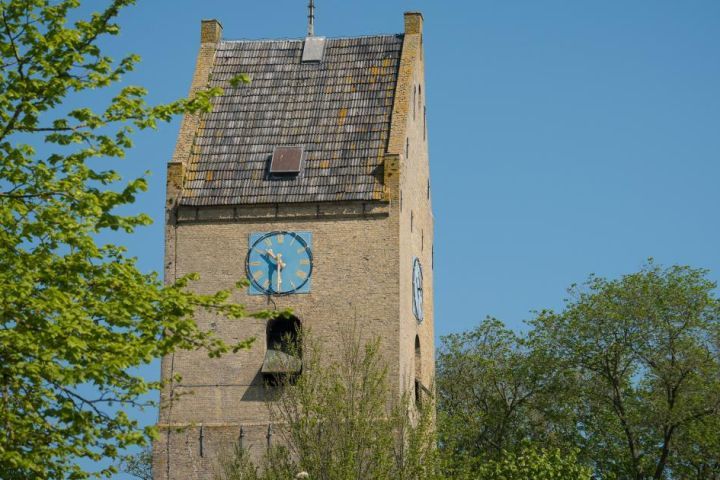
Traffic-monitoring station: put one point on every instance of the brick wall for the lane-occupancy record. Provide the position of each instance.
(408, 140)
(363, 255)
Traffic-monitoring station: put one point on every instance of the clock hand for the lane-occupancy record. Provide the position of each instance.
(270, 252)
(278, 259)
(280, 266)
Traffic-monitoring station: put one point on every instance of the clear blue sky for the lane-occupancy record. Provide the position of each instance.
(566, 137)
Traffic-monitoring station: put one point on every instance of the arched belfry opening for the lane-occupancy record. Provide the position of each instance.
(283, 355)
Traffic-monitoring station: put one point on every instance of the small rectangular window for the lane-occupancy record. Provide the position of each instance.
(286, 160)
(313, 50)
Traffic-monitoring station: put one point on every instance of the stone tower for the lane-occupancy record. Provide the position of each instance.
(313, 182)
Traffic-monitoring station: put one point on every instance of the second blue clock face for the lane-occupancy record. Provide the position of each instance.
(280, 263)
(417, 286)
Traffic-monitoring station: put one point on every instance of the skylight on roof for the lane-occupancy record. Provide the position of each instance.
(286, 160)
(313, 49)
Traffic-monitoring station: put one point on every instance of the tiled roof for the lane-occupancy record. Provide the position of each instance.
(338, 111)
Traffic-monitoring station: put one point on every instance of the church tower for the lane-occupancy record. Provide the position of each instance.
(313, 182)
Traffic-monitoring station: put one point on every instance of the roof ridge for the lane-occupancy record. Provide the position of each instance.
(302, 39)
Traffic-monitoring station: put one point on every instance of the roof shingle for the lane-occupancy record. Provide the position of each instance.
(338, 110)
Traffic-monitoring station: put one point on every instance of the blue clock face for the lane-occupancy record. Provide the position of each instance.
(279, 263)
(417, 284)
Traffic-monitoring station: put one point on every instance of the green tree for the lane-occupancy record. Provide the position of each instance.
(643, 350)
(535, 464)
(138, 465)
(75, 315)
(628, 372)
(697, 455)
(339, 420)
(496, 391)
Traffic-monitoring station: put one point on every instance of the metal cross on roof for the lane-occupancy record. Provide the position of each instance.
(311, 18)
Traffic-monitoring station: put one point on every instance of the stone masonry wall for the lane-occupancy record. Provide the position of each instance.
(363, 254)
(354, 280)
(408, 140)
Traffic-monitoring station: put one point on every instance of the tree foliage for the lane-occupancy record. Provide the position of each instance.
(628, 372)
(494, 392)
(339, 420)
(139, 465)
(532, 463)
(645, 355)
(76, 315)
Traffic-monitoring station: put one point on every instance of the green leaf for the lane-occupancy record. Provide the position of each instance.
(77, 318)
(242, 79)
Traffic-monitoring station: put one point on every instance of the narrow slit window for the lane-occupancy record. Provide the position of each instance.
(418, 372)
(425, 123)
(414, 100)
(418, 358)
